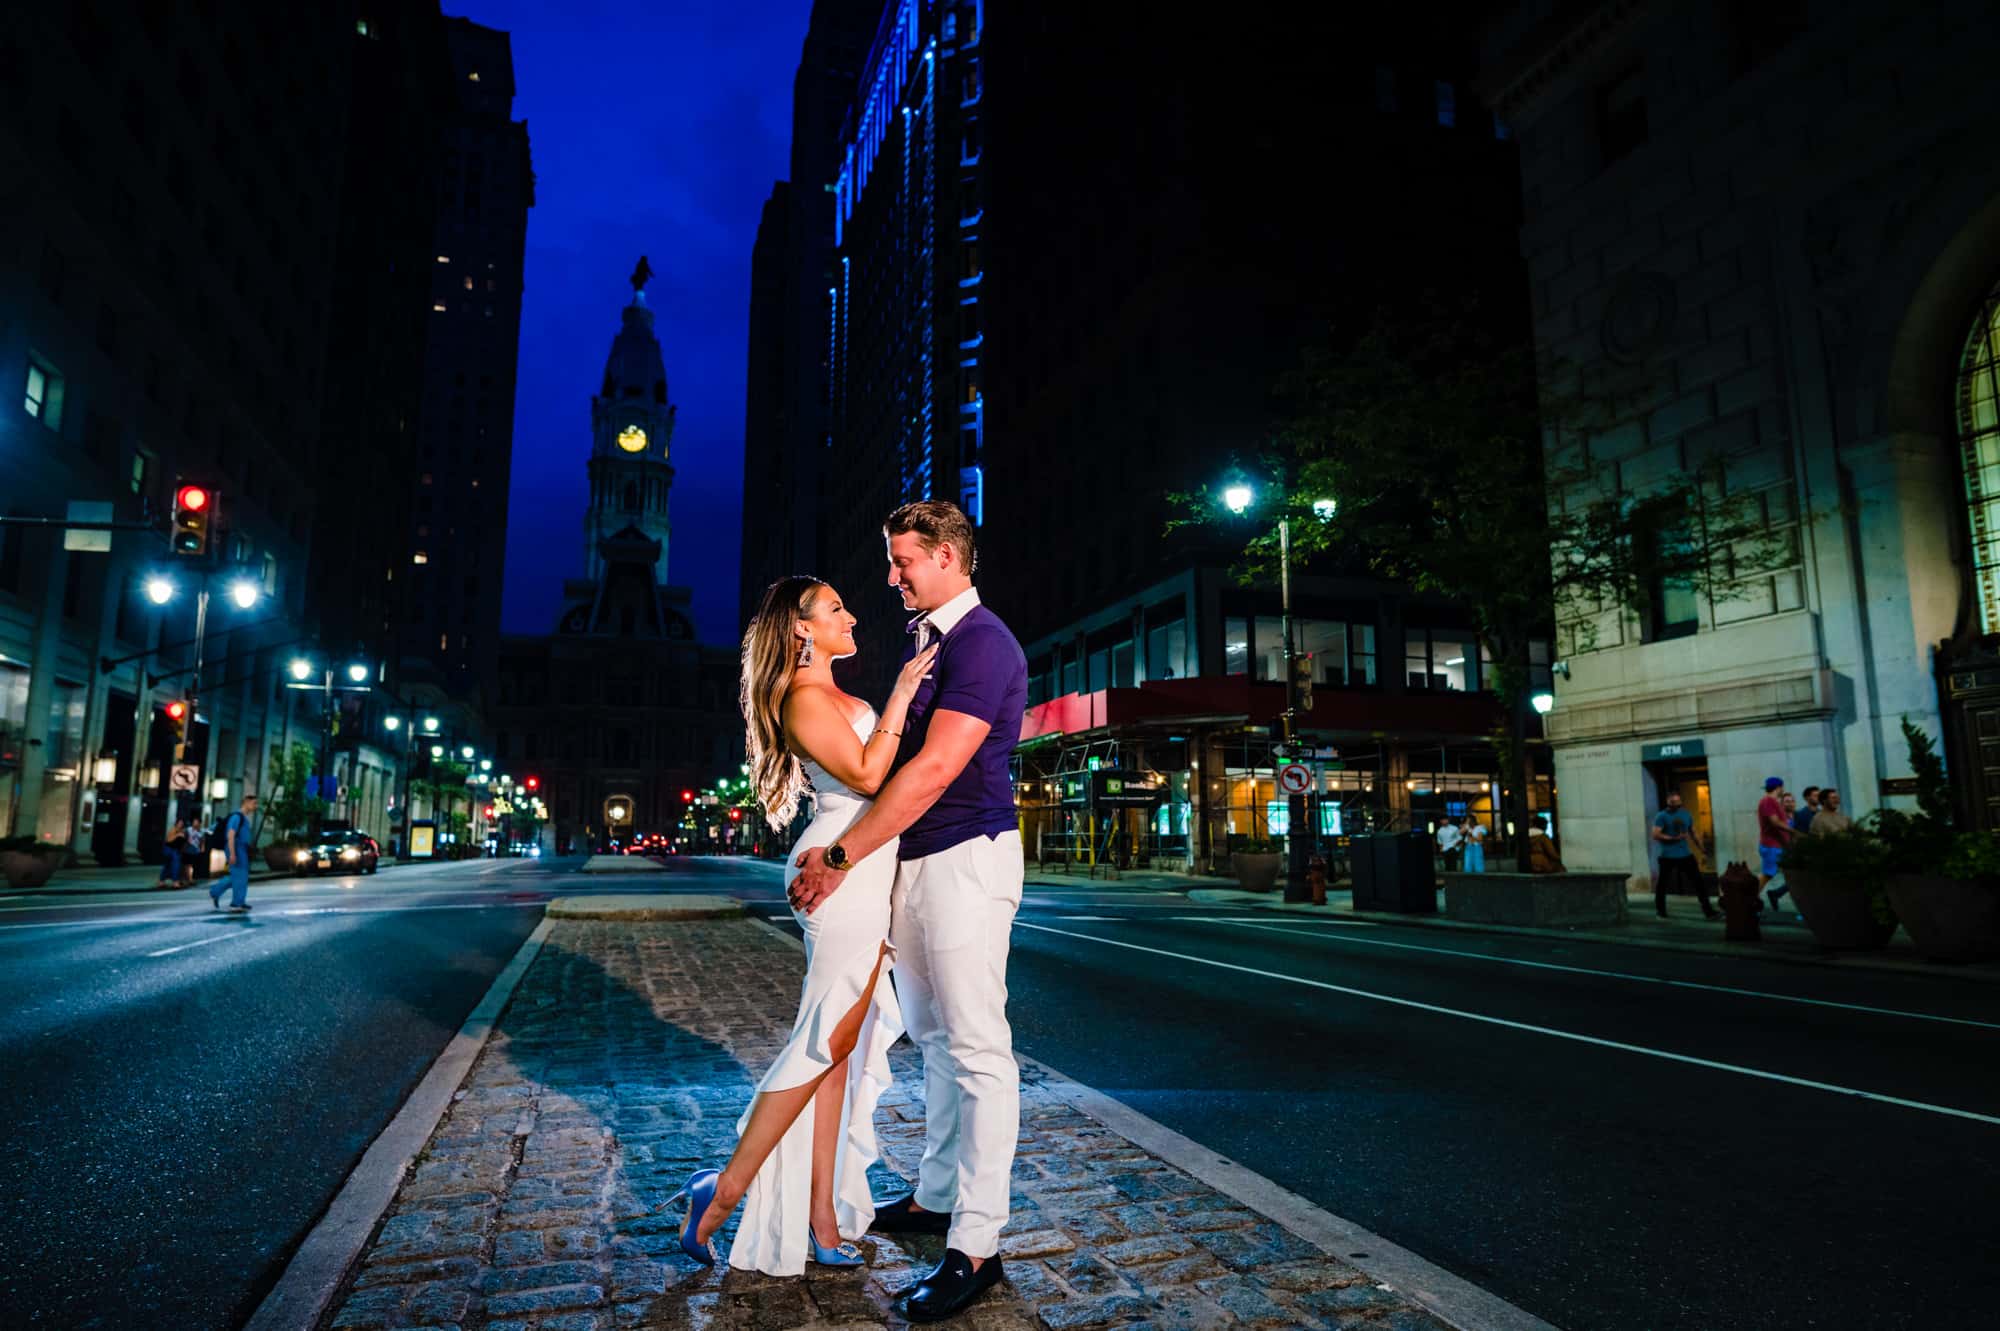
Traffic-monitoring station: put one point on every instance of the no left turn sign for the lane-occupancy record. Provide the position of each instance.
(1295, 778)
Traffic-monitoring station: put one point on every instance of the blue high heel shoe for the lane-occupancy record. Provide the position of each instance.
(699, 1192)
(840, 1254)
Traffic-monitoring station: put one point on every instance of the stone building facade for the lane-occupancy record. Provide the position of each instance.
(620, 705)
(1779, 226)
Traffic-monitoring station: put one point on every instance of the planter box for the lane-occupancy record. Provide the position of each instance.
(1949, 919)
(28, 868)
(1838, 910)
(1256, 873)
(1541, 900)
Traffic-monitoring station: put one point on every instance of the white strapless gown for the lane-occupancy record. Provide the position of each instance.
(843, 939)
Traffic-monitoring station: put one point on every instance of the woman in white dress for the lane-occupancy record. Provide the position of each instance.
(802, 1179)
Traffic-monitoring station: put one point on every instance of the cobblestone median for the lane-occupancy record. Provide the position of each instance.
(622, 1064)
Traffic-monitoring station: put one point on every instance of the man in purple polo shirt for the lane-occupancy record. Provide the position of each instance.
(958, 883)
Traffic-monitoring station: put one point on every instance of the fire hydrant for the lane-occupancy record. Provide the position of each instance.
(1316, 878)
(1738, 888)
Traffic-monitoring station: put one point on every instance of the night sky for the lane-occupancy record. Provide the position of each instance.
(657, 129)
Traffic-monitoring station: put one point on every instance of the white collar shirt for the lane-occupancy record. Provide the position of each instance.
(942, 620)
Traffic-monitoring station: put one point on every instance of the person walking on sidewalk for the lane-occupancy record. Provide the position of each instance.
(1448, 838)
(958, 885)
(1472, 843)
(1831, 818)
(803, 1178)
(1802, 818)
(173, 854)
(239, 841)
(1774, 833)
(1673, 828)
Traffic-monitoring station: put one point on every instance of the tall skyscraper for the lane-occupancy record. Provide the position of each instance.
(785, 415)
(451, 604)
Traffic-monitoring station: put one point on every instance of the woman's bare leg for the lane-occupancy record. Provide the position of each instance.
(827, 1105)
(772, 1115)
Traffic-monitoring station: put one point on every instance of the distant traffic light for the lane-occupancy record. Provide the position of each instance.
(177, 717)
(736, 815)
(194, 509)
(687, 797)
(534, 783)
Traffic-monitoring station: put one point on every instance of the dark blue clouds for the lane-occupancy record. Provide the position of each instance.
(657, 129)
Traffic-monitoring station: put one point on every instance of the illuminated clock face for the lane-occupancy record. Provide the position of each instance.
(632, 439)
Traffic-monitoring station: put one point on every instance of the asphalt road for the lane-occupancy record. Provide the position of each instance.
(184, 1092)
(1609, 1137)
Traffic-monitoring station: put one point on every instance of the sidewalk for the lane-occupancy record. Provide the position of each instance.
(90, 880)
(622, 1063)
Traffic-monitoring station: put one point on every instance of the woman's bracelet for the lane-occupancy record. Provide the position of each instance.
(897, 733)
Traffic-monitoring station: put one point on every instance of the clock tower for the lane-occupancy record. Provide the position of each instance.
(632, 425)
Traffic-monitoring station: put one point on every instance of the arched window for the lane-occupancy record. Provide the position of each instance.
(1979, 454)
(631, 497)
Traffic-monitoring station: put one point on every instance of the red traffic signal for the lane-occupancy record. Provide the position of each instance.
(736, 815)
(534, 783)
(489, 811)
(194, 507)
(687, 797)
(177, 710)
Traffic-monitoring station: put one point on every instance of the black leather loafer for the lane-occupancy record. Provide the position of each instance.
(898, 1217)
(951, 1288)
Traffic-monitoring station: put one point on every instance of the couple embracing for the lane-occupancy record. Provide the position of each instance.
(912, 862)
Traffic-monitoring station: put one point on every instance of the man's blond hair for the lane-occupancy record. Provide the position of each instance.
(936, 522)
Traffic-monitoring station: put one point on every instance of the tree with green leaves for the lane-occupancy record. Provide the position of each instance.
(1429, 434)
(289, 809)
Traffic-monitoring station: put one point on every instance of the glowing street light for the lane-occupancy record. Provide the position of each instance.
(466, 752)
(430, 725)
(1324, 509)
(357, 672)
(159, 590)
(244, 594)
(1237, 498)
(392, 722)
(1543, 702)
(437, 750)
(301, 668)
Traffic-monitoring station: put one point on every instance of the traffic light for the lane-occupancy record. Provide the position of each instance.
(194, 509)
(177, 717)
(736, 815)
(1302, 683)
(687, 797)
(533, 783)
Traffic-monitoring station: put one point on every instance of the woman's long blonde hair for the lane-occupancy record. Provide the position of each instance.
(770, 660)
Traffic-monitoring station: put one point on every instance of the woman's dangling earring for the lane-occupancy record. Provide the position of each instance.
(806, 654)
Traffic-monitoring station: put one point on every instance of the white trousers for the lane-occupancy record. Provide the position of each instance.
(951, 917)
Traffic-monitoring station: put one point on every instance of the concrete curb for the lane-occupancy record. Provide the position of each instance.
(645, 909)
(1977, 972)
(305, 1292)
(1458, 1303)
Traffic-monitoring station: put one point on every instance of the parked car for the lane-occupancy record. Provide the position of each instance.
(339, 852)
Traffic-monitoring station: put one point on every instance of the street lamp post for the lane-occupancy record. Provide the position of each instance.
(1238, 498)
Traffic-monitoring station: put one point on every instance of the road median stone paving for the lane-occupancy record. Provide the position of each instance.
(622, 1064)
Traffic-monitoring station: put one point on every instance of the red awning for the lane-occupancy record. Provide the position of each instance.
(1240, 700)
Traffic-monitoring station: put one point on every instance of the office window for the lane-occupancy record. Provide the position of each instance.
(1269, 645)
(44, 397)
(1166, 650)
(1100, 668)
(1123, 671)
(1236, 646)
(142, 470)
(1360, 653)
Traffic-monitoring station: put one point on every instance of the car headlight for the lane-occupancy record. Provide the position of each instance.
(304, 855)
(350, 854)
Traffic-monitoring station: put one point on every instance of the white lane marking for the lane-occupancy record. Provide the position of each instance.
(1259, 919)
(1111, 918)
(295, 913)
(1267, 927)
(1532, 1029)
(200, 942)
